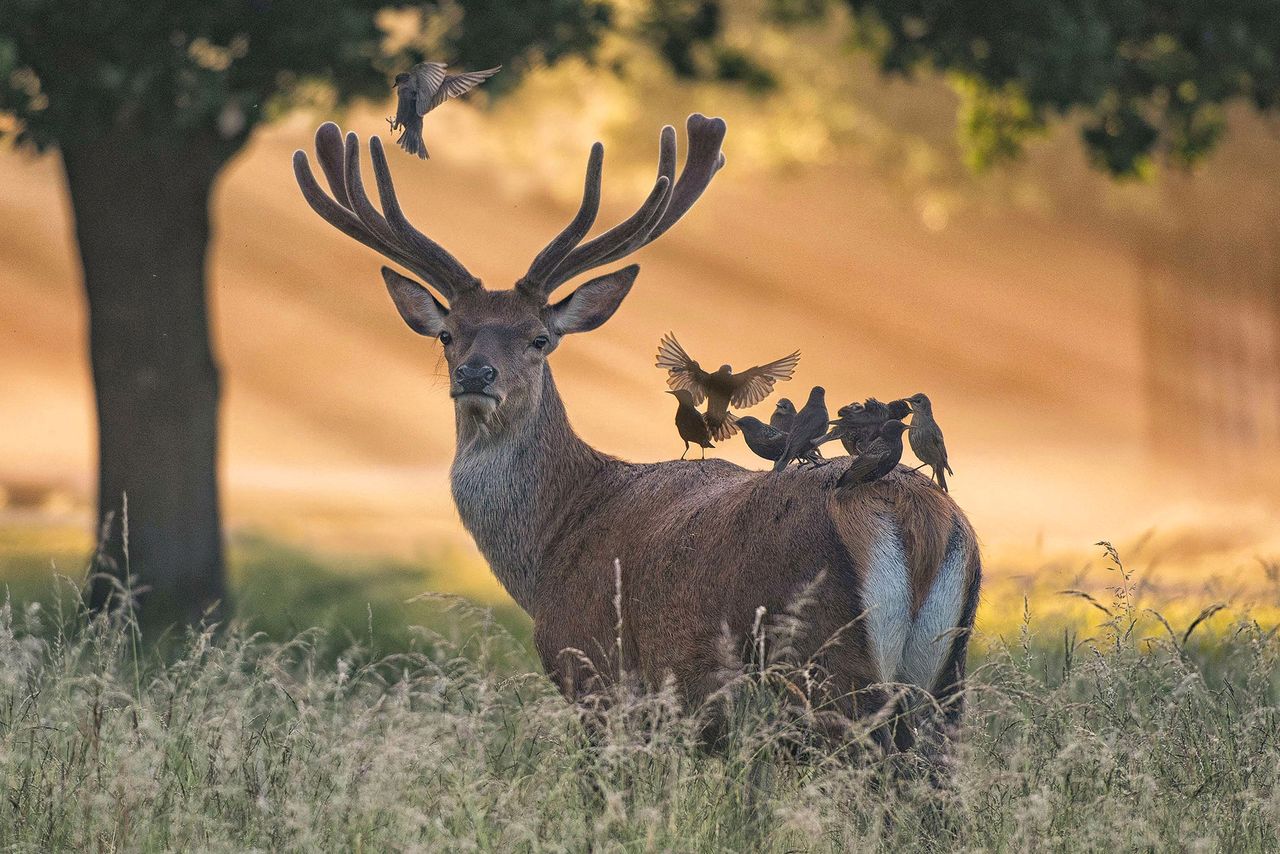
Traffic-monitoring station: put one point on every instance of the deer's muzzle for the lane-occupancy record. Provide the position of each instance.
(474, 379)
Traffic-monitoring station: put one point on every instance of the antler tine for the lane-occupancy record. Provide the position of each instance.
(330, 154)
(667, 152)
(338, 216)
(350, 211)
(701, 163)
(358, 198)
(628, 235)
(450, 276)
(613, 243)
(537, 279)
(667, 202)
(375, 222)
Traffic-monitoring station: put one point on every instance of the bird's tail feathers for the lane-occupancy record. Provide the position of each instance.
(942, 480)
(723, 429)
(411, 141)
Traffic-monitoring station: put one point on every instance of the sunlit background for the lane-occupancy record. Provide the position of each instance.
(1104, 356)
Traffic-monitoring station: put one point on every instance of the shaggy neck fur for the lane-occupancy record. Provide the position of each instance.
(513, 484)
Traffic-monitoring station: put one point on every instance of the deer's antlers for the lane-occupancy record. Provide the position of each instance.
(350, 211)
(347, 208)
(566, 256)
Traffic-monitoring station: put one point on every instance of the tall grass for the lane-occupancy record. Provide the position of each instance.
(1142, 737)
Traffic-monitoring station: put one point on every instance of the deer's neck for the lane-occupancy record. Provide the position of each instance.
(513, 488)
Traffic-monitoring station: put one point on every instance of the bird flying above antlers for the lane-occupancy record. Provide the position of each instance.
(722, 388)
(423, 88)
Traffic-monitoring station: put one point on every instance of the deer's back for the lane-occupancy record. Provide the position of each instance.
(703, 545)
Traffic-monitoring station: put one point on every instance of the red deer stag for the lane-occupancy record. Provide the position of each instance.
(892, 565)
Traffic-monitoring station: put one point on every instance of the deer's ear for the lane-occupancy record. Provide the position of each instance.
(422, 311)
(593, 303)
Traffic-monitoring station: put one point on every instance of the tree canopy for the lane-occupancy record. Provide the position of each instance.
(1148, 77)
(70, 71)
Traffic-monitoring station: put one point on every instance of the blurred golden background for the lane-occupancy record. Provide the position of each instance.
(1104, 356)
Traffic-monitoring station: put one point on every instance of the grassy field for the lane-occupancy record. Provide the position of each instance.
(365, 734)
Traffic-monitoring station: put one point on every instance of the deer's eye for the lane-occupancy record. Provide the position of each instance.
(445, 338)
(540, 343)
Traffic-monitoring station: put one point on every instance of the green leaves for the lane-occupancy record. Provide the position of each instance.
(1150, 78)
(993, 122)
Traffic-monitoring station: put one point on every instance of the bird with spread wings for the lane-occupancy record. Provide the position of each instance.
(722, 388)
(423, 88)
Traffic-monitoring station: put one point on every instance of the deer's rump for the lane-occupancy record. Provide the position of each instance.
(890, 567)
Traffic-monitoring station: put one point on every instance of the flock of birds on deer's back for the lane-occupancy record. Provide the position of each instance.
(871, 431)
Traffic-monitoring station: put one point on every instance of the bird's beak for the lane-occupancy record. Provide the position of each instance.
(834, 423)
(668, 392)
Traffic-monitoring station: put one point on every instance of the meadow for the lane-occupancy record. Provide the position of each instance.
(344, 712)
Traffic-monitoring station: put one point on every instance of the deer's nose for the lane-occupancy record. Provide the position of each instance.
(473, 377)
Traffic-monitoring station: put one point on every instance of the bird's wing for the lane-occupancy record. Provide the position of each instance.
(873, 407)
(460, 84)
(942, 452)
(831, 435)
(926, 441)
(682, 371)
(755, 384)
(770, 433)
(942, 448)
(799, 442)
(426, 77)
(864, 418)
(862, 466)
(690, 421)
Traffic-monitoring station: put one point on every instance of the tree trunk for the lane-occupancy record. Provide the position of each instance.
(142, 225)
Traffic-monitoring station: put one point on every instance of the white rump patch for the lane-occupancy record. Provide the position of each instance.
(931, 636)
(886, 596)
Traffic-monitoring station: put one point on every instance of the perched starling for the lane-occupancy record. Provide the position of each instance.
(879, 456)
(690, 423)
(810, 425)
(847, 428)
(784, 415)
(764, 440)
(926, 439)
(860, 423)
(768, 441)
(423, 88)
(721, 388)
